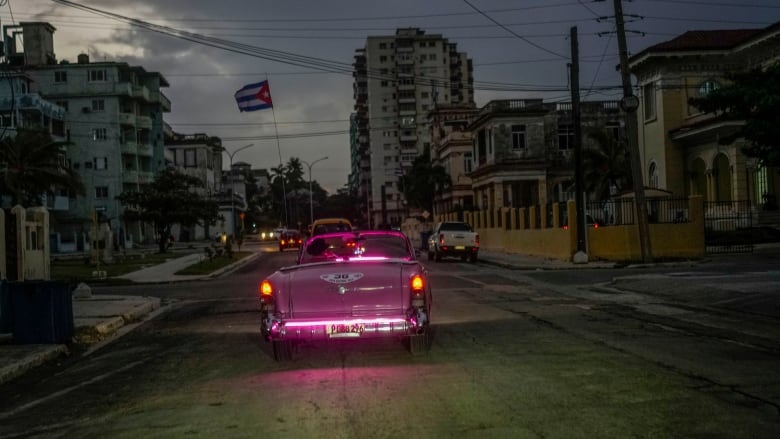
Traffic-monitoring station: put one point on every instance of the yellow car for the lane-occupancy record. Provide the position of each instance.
(330, 225)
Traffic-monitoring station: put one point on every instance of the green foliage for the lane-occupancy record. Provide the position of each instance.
(753, 97)
(167, 201)
(32, 165)
(606, 163)
(424, 182)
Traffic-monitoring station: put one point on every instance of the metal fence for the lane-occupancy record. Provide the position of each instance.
(728, 227)
(620, 211)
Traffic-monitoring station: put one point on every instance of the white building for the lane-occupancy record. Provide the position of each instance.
(398, 79)
(114, 114)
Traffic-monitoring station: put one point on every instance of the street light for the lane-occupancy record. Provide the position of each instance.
(233, 187)
(311, 203)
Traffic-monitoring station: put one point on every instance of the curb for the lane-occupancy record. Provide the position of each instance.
(28, 361)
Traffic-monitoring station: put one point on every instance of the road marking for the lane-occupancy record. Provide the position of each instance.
(63, 392)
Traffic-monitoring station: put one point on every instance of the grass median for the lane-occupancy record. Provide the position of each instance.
(209, 265)
(83, 269)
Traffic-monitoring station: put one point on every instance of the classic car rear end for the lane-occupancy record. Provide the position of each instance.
(348, 285)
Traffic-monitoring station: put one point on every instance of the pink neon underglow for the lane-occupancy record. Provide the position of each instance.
(343, 322)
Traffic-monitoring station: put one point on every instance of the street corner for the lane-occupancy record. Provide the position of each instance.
(99, 317)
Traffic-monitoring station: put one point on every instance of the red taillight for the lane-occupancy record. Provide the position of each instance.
(266, 290)
(566, 227)
(441, 238)
(418, 285)
(282, 242)
(300, 242)
(595, 225)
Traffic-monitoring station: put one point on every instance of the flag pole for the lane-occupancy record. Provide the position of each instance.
(281, 165)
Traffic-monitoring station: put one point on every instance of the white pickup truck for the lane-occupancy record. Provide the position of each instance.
(453, 238)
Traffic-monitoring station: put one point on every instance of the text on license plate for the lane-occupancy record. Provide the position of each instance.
(345, 329)
(460, 247)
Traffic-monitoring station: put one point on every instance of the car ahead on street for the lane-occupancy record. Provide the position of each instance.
(290, 239)
(352, 285)
(453, 239)
(330, 225)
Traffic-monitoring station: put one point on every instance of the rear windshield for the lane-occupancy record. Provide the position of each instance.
(352, 246)
(320, 229)
(456, 227)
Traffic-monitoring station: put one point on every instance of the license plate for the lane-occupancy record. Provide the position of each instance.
(345, 330)
(460, 247)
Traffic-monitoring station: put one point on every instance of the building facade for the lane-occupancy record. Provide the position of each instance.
(522, 150)
(114, 114)
(451, 148)
(682, 148)
(397, 80)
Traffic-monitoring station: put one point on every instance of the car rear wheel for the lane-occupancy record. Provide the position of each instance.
(283, 350)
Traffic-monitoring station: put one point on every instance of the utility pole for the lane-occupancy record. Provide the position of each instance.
(581, 256)
(630, 104)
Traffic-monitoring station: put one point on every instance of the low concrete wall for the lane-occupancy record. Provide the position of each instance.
(507, 230)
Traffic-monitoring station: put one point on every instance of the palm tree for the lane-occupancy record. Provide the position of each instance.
(32, 165)
(606, 164)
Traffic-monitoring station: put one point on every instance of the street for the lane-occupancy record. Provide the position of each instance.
(515, 354)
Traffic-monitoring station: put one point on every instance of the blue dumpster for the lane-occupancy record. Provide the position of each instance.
(42, 311)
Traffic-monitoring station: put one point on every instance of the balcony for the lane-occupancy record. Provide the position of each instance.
(141, 92)
(408, 137)
(159, 98)
(143, 122)
(129, 148)
(127, 119)
(145, 177)
(145, 149)
(407, 112)
(129, 176)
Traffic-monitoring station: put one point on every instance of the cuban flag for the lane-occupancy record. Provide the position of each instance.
(254, 97)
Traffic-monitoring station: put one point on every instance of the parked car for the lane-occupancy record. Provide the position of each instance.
(290, 239)
(330, 225)
(348, 285)
(453, 239)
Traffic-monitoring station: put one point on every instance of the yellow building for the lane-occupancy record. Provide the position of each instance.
(681, 148)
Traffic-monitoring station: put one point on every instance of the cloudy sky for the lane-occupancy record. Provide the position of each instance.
(520, 49)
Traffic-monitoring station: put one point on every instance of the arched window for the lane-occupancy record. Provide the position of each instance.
(653, 175)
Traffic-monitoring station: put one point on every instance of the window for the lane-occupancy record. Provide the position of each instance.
(99, 75)
(101, 162)
(101, 192)
(518, 137)
(707, 86)
(565, 137)
(63, 104)
(653, 175)
(60, 76)
(98, 105)
(383, 45)
(99, 134)
(468, 162)
(648, 95)
(433, 57)
(383, 58)
(383, 83)
(190, 158)
(431, 43)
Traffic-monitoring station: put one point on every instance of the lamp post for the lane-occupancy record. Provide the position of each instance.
(311, 202)
(233, 187)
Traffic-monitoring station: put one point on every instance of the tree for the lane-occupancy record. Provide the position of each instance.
(424, 182)
(605, 164)
(753, 97)
(32, 165)
(167, 201)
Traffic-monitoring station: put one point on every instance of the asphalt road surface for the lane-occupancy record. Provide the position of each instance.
(515, 354)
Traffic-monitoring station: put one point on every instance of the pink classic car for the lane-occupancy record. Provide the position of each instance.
(348, 285)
